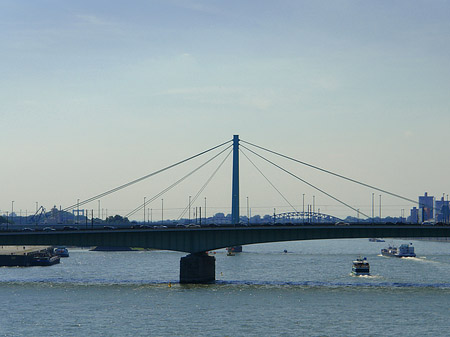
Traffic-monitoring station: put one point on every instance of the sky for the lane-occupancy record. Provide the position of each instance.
(95, 94)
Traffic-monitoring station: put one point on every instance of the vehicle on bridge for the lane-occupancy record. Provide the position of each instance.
(70, 228)
(341, 223)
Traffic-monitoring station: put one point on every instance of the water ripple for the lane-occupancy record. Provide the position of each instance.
(311, 284)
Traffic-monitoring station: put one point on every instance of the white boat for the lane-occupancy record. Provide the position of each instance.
(405, 250)
(361, 266)
(376, 240)
(61, 252)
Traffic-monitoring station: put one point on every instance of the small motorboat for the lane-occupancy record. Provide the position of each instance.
(361, 267)
(61, 252)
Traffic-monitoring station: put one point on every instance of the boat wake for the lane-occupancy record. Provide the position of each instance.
(422, 259)
(55, 283)
(366, 276)
(418, 259)
(318, 284)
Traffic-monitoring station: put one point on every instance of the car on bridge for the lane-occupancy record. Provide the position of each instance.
(70, 228)
(141, 227)
(341, 223)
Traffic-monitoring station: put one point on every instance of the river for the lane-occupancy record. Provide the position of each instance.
(263, 291)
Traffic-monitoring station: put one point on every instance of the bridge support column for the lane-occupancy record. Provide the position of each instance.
(198, 268)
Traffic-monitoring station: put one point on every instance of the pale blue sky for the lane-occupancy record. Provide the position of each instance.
(97, 93)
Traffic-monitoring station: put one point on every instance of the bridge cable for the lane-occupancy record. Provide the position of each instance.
(206, 184)
(307, 183)
(333, 173)
(176, 183)
(140, 179)
(276, 189)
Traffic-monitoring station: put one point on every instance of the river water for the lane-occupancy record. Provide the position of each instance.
(263, 291)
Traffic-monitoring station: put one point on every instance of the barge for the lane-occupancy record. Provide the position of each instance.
(27, 256)
(405, 250)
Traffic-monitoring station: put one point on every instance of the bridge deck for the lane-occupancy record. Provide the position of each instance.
(194, 240)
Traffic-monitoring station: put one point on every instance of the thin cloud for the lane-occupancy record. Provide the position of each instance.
(91, 19)
(198, 7)
(223, 95)
(408, 134)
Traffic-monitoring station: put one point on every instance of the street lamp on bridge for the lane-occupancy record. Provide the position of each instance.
(144, 210)
(248, 215)
(380, 207)
(373, 194)
(303, 215)
(189, 209)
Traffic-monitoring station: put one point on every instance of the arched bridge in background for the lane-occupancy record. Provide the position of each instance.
(305, 217)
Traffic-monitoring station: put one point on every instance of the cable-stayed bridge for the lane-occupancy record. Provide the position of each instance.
(198, 266)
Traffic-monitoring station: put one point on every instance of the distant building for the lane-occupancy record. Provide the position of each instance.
(54, 216)
(414, 216)
(442, 210)
(426, 208)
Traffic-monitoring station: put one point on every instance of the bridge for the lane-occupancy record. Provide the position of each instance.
(198, 267)
(199, 240)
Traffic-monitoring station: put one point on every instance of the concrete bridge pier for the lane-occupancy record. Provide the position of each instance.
(198, 268)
